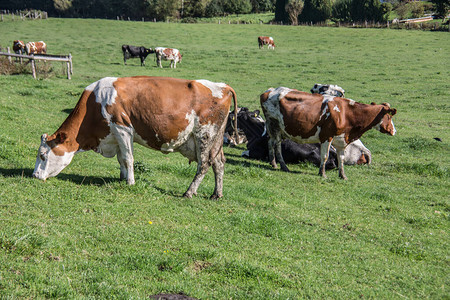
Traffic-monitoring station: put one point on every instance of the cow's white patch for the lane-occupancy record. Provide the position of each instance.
(48, 164)
(336, 108)
(272, 104)
(108, 146)
(326, 99)
(394, 131)
(183, 136)
(105, 94)
(352, 102)
(312, 139)
(216, 88)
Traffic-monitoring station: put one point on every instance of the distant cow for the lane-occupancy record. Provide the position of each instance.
(266, 40)
(166, 114)
(133, 51)
(18, 47)
(36, 48)
(312, 118)
(171, 54)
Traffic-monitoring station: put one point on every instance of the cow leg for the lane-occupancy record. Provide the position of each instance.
(124, 137)
(218, 168)
(272, 160)
(158, 62)
(279, 156)
(142, 61)
(341, 157)
(324, 152)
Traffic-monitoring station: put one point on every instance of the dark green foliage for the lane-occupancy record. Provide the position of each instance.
(281, 14)
(366, 10)
(342, 11)
(442, 7)
(316, 11)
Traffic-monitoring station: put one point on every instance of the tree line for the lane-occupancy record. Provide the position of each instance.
(286, 11)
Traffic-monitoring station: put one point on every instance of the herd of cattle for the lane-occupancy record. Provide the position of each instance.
(20, 47)
(193, 117)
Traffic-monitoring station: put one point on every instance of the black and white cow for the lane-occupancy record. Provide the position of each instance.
(133, 51)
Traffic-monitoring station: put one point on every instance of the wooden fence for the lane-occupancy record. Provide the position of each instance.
(23, 15)
(32, 58)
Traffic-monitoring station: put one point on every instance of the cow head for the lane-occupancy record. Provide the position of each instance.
(53, 156)
(149, 51)
(386, 124)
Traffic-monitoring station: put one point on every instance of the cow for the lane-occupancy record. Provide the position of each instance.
(266, 40)
(313, 118)
(133, 51)
(36, 48)
(355, 152)
(254, 129)
(162, 113)
(171, 54)
(18, 47)
(329, 89)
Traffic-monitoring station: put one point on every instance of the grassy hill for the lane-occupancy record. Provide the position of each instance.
(381, 234)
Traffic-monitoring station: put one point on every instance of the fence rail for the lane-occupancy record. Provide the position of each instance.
(32, 58)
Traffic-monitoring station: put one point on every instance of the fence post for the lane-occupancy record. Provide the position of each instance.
(33, 67)
(71, 65)
(2, 17)
(9, 57)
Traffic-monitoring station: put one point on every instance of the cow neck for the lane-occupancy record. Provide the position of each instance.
(366, 118)
(71, 126)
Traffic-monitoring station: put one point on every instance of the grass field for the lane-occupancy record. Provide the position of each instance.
(384, 233)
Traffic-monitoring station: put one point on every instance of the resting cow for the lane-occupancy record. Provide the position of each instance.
(266, 40)
(171, 54)
(133, 51)
(36, 48)
(166, 114)
(18, 47)
(312, 118)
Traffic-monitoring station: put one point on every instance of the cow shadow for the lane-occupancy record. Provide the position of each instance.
(253, 163)
(67, 110)
(77, 179)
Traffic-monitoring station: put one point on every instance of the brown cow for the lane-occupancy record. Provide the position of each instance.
(266, 40)
(18, 47)
(166, 114)
(312, 118)
(36, 48)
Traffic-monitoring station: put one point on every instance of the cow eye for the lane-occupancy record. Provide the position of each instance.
(42, 157)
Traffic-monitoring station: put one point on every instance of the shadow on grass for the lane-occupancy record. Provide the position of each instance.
(67, 110)
(78, 179)
(253, 163)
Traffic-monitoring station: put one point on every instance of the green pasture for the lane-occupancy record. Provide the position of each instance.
(383, 234)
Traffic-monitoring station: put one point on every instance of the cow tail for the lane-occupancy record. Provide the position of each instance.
(235, 114)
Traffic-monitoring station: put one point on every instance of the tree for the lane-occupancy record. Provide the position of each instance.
(442, 7)
(294, 9)
(281, 14)
(262, 5)
(237, 6)
(316, 11)
(162, 9)
(342, 10)
(366, 10)
(62, 5)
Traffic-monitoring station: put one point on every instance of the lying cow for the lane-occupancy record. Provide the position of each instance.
(18, 47)
(133, 51)
(266, 40)
(166, 114)
(36, 48)
(171, 54)
(312, 118)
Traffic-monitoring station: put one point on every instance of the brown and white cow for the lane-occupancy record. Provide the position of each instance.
(266, 40)
(312, 118)
(166, 114)
(171, 54)
(18, 47)
(36, 48)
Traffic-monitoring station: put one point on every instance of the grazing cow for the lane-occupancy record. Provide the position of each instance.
(133, 51)
(171, 54)
(166, 114)
(312, 118)
(18, 47)
(36, 48)
(266, 40)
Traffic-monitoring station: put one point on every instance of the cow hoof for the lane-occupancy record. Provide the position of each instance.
(215, 197)
(285, 169)
(187, 195)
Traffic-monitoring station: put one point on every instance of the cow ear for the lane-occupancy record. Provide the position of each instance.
(257, 112)
(44, 138)
(373, 103)
(393, 111)
(60, 137)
